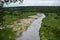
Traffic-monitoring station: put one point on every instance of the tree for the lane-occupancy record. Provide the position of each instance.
(9, 1)
(7, 34)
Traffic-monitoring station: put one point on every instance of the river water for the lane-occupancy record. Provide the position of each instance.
(32, 33)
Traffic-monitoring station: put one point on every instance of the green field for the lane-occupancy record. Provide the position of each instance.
(50, 29)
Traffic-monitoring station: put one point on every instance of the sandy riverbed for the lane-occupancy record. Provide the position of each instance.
(32, 33)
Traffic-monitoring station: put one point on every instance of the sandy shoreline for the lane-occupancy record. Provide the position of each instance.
(32, 33)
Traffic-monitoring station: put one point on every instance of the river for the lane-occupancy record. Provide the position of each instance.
(32, 33)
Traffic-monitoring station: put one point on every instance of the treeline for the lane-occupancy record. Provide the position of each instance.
(44, 9)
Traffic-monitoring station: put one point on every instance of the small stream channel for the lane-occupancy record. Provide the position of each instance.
(32, 33)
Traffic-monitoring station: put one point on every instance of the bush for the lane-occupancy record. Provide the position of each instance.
(7, 34)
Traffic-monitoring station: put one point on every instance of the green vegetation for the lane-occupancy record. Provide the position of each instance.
(8, 17)
(12, 14)
(50, 29)
(44, 9)
(7, 34)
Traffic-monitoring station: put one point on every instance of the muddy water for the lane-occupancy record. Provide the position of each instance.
(32, 33)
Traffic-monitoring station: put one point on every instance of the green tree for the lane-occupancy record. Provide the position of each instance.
(7, 34)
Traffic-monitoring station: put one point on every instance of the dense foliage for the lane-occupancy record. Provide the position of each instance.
(44, 9)
(50, 26)
(50, 29)
(7, 34)
(8, 17)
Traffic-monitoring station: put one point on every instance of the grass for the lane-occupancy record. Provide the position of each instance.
(50, 29)
(9, 18)
(7, 34)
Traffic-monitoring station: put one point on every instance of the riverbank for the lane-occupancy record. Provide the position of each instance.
(12, 20)
(50, 29)
(22, 25)
(32, 33)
